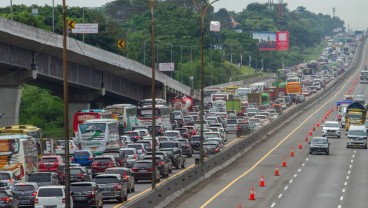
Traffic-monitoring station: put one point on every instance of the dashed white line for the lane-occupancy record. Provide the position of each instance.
(306, 159)
(354, 151)
(341, 198)
(352, 161)
(286, 187)
(299, 170)
(291, 181)
(339, 206)
(303, 164)
(273, 204)
(350, 166)
(295, 175)
(349, 172)
(353, 156)
(347, 177)
(280, 195)
(343, 190)
(346, 183)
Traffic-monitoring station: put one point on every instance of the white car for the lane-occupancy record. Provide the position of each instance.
(60, 147)
(144, 133)
(51, 196)
(331, 128)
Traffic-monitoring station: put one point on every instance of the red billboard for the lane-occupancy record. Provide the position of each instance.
(282, 40)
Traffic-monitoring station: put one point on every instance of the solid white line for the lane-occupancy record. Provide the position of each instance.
(341, 198)
(273, 204)
(291, 181)
(346, 183)
(343, 190)
(280, 195)
(286, 187)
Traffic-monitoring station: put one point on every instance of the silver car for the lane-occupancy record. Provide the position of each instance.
(131, 156)
(112, 187)
(231, 125)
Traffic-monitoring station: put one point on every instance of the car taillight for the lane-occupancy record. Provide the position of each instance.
(118, 187)
(81, 175)
(63, 175)
(135, 156)
(34, 194)
(36, 201)
(72, 159)
(63, 201)
(237, 128)
(135, 170)
(94, 164)
(161, 163)
(6, 200)
(92, 194)
(90, 158)
(217, 149)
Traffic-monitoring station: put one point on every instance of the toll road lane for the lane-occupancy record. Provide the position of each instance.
(232, 186)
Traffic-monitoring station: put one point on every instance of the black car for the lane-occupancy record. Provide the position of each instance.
(112, 187)
(175, 155)
(86, 194)
(8, 199)
(211, 148)
(25, 193)
(166, 157)
(79, 174)
(319, 145)
(186, 147)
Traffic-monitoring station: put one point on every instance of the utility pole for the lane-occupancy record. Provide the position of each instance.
(66, 110)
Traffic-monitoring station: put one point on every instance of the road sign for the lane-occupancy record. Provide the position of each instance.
(89, 28)
(166, 67)
(71, 24)
(121, 43)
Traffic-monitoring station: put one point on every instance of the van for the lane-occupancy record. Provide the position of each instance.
(357, 136)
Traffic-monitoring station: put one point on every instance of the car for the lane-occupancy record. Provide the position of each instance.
(131, 156)
(213, 134)
(357, 136)
(231, 125)
(112, 187)
(144, 133)
(115, 144)
(60, 147)
(102, 162)
(26, 193)
(119, 156)
(282, 102)
(299, 98)
(86, 194)
(319, 144)
(173, 134)
(83, 157)
(147, 144)
(184, 132)
(161, 164)
(263, 119)
(192, 130)
(174, 151)
(186, 148)
(79, 174)
(125, 174)
(51, 196)
(8, 199)
(142, 170)
(50, 163)
(195, 142)
(218, 140)
(331, 128)
(139, 147)
(61, 171)
(134, 136)
(211, 148)
(162, 139)
(8, 177)
(126, 139)
(166, 157)
(306, 92)
(44, 178)
(159, 130)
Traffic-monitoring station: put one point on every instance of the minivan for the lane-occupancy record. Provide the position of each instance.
(357, 136)
(51, 196)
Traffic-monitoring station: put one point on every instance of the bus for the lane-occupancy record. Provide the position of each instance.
(84, 115)
(231, 89)
(95, 134)
(162, 116)
(147, 102)
(126, 114)
(219, 99)
(19, 153)
(29, 130)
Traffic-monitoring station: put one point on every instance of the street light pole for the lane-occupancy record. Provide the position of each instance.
(66, 110)
(11, 9)
(202, 13)
(53, 15)
(153, 94)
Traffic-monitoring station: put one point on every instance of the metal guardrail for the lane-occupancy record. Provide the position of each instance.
(172, 188)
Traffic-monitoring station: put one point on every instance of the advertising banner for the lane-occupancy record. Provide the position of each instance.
(282, 40)
(271, 41)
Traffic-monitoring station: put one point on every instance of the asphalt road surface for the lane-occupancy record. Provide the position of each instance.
(336, 180)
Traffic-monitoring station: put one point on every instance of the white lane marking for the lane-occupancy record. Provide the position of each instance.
(306, 159)
(303, 164)
(280, 195)
(341, 198)
(349, 172)
(291, 181)
(352, 161)
(346, 183)
(286, 187)
(353, 156)
(299, 170)
(343, 190)
(354, 151)
(350, 166)
(273, 204)
(347, 177)
(295, 175)
(339, 206)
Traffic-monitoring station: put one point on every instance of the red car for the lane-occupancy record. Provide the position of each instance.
(102, 162)
(192, 130)
(306, 92)
(50, 163)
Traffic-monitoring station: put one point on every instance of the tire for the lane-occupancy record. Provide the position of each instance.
(129, 188)
(327, 152)
(183, 165)
(126, 197)
(170, 170)
(365, 147)
(310, 153)
(120, 199)
(339, 137)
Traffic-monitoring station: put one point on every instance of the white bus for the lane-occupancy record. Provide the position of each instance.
(126, 114)
(162, 116)
(19, 153)
(148, 102)
(219, 99)
(95, 134)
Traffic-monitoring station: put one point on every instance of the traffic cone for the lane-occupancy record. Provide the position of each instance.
(251, 195)
(332, 109)
(239, 206)
(277, 171)
(323, 121)
(310, 133)
(300, 146)
(262, 182)
(306, 139)
(292, 154)
(317, 124)
(314, 128)
(284, 163)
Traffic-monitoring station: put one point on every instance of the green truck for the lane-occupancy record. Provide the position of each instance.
(258, 98)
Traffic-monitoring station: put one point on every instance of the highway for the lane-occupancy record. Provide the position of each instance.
(336, 180)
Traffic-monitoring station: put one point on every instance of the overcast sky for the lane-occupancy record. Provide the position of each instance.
(353, 12)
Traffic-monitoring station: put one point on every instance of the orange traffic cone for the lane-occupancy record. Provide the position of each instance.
(306, 139)
(317, 124)
(300, 146)
(292, 152)
(277, 171)
(310, 133)
(251, 195)
(262, 182)
(284, 163)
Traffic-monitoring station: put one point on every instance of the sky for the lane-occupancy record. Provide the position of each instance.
(353, 12)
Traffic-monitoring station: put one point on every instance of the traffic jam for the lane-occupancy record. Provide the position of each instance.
(111, 151)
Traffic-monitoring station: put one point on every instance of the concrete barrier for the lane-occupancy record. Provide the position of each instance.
(174, 187)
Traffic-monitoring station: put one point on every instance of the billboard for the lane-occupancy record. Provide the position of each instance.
(164, 67)
(271, 41)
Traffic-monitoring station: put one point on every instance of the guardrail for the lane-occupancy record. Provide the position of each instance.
(173, 188)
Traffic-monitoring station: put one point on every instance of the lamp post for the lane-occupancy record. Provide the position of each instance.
(153, 94)
(11, 9)
(53, 16)
(202, 12)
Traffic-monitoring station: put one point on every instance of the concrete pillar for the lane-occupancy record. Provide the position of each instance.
(74, 107)
(9, 105)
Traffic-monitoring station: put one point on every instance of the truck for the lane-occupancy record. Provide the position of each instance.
(364, 77)
(184, 103)
(355, 114)
(233, 105)
(341, 108)
(293, 89)
(258, 98)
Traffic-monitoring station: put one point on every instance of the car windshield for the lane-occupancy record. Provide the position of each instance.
(142, 165)
(255, 120)
(194, 139)
(81, 154)
(231, 121)
(102, 160)
(127, 151)
(135, 146)
(39, 178)
(24, 188)
(319, 141)
(211, 135)
(209, 146)
(77, 188)
(357, 133)
(4, 176)
(168, 144)
(336, 125)
(106, 180)
(50, 192)
(133, 134)
(171, 134)
(75, 171)
(115, 171)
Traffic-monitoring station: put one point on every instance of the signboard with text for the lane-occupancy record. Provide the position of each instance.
(89, 28)
(164, 67)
